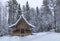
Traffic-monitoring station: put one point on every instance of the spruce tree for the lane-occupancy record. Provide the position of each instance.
(27, 11)
(57, 15)
(37, 9)
(47, 14)
(27, 6)
(37, 19)
(24, 8)
(19, 11)
(12, 5)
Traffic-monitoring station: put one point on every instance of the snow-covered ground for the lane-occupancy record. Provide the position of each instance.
(45, 36)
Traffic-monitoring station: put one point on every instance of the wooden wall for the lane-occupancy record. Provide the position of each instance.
(22, 28)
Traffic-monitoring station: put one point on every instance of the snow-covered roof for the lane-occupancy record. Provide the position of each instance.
(22, 16)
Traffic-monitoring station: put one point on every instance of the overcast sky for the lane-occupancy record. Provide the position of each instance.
(32, 3)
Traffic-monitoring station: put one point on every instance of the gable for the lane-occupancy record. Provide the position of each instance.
(22, 24)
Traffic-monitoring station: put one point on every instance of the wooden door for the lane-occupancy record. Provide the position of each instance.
(22, 31)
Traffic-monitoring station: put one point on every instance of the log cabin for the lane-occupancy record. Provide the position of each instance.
(21, 27)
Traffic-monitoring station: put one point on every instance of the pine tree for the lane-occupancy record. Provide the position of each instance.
(46, 14)
(46, 7)
(27, 11)
(24, 8)
(0, 14)
(37, 19)
(3, 20)
(57, 15)
(37, 10)
(12, 5)
(27, 6)
(19, 11)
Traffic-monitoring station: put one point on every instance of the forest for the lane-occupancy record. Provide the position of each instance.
(46, 18)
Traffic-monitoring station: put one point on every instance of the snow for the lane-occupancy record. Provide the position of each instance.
(43, 36)
(49, 37)
(9, 38)
(27, 21)
(15, 23)
(22, 16)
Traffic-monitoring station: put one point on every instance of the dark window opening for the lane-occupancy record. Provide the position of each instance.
(17, 30)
